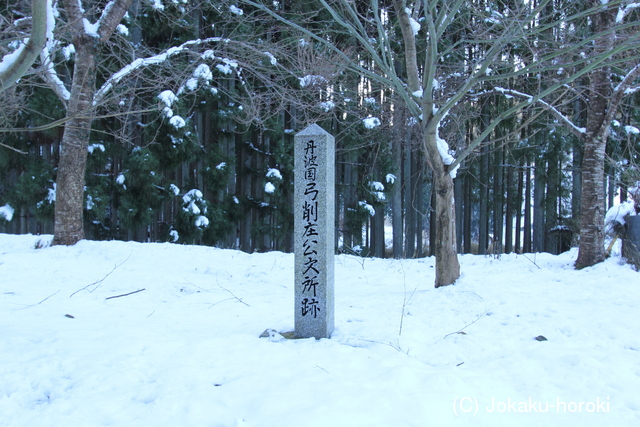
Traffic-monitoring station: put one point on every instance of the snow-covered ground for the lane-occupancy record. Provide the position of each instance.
(185, 351)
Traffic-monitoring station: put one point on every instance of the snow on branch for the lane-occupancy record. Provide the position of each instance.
(625, 84)
(631, 90)
(50, 74)
(145, 62)
(511, 92)
(623, 11)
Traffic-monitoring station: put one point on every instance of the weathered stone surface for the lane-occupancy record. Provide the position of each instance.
(314, 232)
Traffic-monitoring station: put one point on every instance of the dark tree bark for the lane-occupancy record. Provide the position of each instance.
(526, 239)
(591, 249)
(68, 222)
(396, 198)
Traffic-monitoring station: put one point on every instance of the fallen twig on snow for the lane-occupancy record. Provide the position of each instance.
(465, 326)
(124, 295)
(33, 305)
(99, 282)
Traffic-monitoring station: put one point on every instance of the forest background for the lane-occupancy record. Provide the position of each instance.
(196, 103)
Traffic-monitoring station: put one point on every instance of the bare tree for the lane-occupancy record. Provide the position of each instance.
(103, 54)
(496, 47)
(610, 65)
(604, 95)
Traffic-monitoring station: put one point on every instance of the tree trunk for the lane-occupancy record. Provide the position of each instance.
(467, 213)
(409, 199)
(539, 190)
(498, 200)
(68, 222)
(447, 265)
(591, 249)
(396, 199)
(459, 198)
(483, 221)
(508, 225)
(526, 239)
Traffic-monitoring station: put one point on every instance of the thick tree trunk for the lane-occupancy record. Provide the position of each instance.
(591, 249)
(68, 222)
(447, 265)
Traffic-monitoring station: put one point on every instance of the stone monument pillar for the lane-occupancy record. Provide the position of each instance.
(314, 232)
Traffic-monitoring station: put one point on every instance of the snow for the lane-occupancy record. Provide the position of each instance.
(443, 150)
(224, 68)
(390, 178)
(415, 25)
(6, 212)
(269, 188)
(548, 106)
(368, 208)
(632, 130)
(122, 29)
(371, 122)
(377, 189)
(145, 62)
(185, 350)
(50, 73)
(203, 72)
(236, 10)
(191, 84)
(157, 4)
(90, 28)
(120, 179)
(10, 58)
(272, 59)
(377, 185)
(221, 166)
(190, 199)
(312, 80)
(91, 148)
(174, 189)
(51, 194)
(202, 221)
(68, 51)
(177, 122)
(327, 106)
(623, 11)
(274, 173)
(616, 214)
(167, 97)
